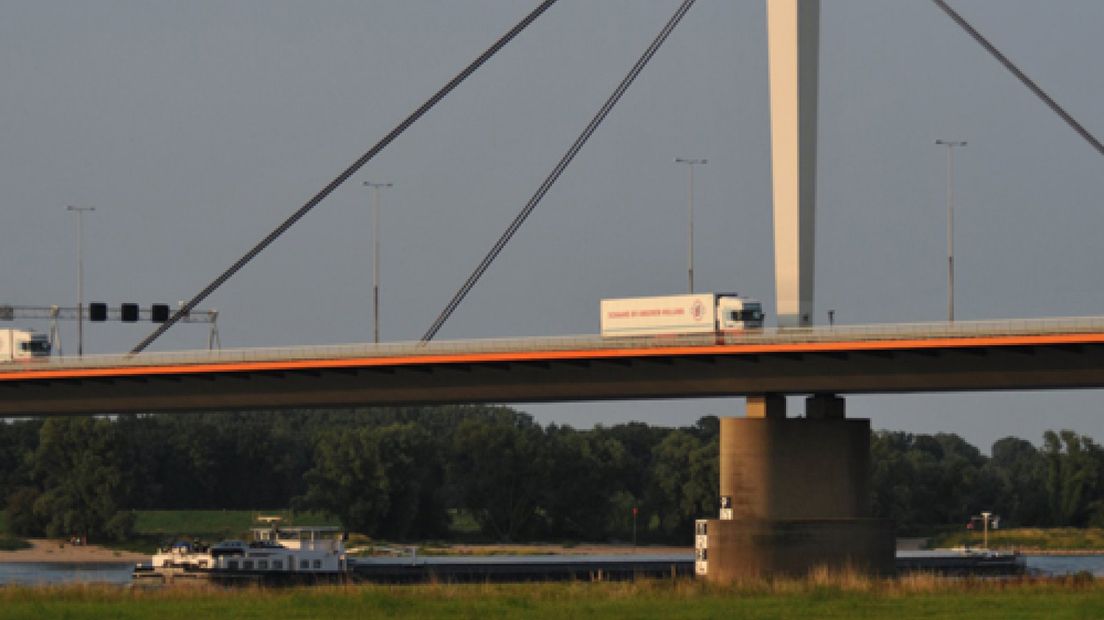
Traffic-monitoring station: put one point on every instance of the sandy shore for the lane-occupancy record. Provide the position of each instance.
(43, 550)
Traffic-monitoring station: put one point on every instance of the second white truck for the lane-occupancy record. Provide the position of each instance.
(699, 313)
(18, 345)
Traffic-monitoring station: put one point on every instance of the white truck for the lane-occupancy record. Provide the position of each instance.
(18, 345)
(699, 313)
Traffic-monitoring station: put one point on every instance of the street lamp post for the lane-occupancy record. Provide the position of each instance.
(690, 163)
(985, 529)
(375, 254)
(950, 144)
(635, 513)
(80, 274)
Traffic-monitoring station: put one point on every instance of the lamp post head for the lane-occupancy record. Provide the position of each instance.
(951, 142)
(692, 162)
(371, 184)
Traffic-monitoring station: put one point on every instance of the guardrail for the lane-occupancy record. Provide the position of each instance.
(841, 333)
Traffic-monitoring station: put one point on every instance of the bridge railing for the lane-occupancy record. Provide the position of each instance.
(822, 334)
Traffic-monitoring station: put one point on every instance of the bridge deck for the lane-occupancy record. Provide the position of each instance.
(998, 355)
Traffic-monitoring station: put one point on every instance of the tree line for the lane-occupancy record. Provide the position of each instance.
(404, 473)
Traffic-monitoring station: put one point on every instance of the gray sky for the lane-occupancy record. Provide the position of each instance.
(194, 127)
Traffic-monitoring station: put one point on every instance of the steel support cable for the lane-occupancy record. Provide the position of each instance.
(344, 176)
(557, 171)
(1020, 74)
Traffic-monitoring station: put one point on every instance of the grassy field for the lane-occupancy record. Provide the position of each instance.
(220, 522)
(1049, 539)
(824, 597)
(155, 527)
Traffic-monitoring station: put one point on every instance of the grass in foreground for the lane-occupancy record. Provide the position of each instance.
(821, 596)
(1044, 539)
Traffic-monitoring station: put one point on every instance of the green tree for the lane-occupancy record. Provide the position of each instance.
(414, 469)
(684, 483)
(582, 498)
(637, 443)
(20, 515)
(891, 473)
(382, 481)
(17, 442)
(348, 480)
(1073, 476)
(82, 480)
(964, 486)
(925, 480)
(499, 466)
(1024, 469)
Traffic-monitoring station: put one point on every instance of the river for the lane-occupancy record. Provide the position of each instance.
(47, 573)
(42, 573)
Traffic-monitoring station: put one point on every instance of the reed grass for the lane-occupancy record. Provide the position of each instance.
(822, 595)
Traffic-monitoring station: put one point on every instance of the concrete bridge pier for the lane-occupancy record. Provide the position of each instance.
(794, 495)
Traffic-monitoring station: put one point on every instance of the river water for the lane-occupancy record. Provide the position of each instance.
(31, 573)
(1066, 564)
(45, 573)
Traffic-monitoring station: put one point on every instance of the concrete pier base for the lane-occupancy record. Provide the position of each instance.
(732, 550)
(794, 497)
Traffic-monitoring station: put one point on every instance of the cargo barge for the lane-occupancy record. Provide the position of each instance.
(489, 569)
(276, 555)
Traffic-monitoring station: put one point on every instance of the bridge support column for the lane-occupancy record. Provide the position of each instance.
(766, 406)
(794, 497)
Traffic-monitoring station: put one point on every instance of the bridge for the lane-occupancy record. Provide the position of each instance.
(938, 357)
(793, 492)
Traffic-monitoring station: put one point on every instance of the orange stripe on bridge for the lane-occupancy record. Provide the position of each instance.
(962, 342)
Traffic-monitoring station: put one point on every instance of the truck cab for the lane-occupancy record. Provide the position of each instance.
(737, 313)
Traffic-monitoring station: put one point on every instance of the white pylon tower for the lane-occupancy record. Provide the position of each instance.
(793, 41)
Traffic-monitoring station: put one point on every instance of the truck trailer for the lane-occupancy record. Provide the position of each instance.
(18, 345)
(698, 313)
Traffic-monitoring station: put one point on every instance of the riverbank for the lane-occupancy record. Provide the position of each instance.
(45, 550)
(1059, 541)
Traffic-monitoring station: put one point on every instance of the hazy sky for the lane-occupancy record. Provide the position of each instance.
(194, 127)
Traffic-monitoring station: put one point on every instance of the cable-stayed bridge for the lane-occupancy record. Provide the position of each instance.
(793, 492)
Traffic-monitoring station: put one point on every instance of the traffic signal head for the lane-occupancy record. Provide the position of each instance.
(97, 311)
(159, 313)
(130, 313)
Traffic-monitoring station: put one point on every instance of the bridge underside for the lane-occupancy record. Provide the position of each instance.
(626, 375)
